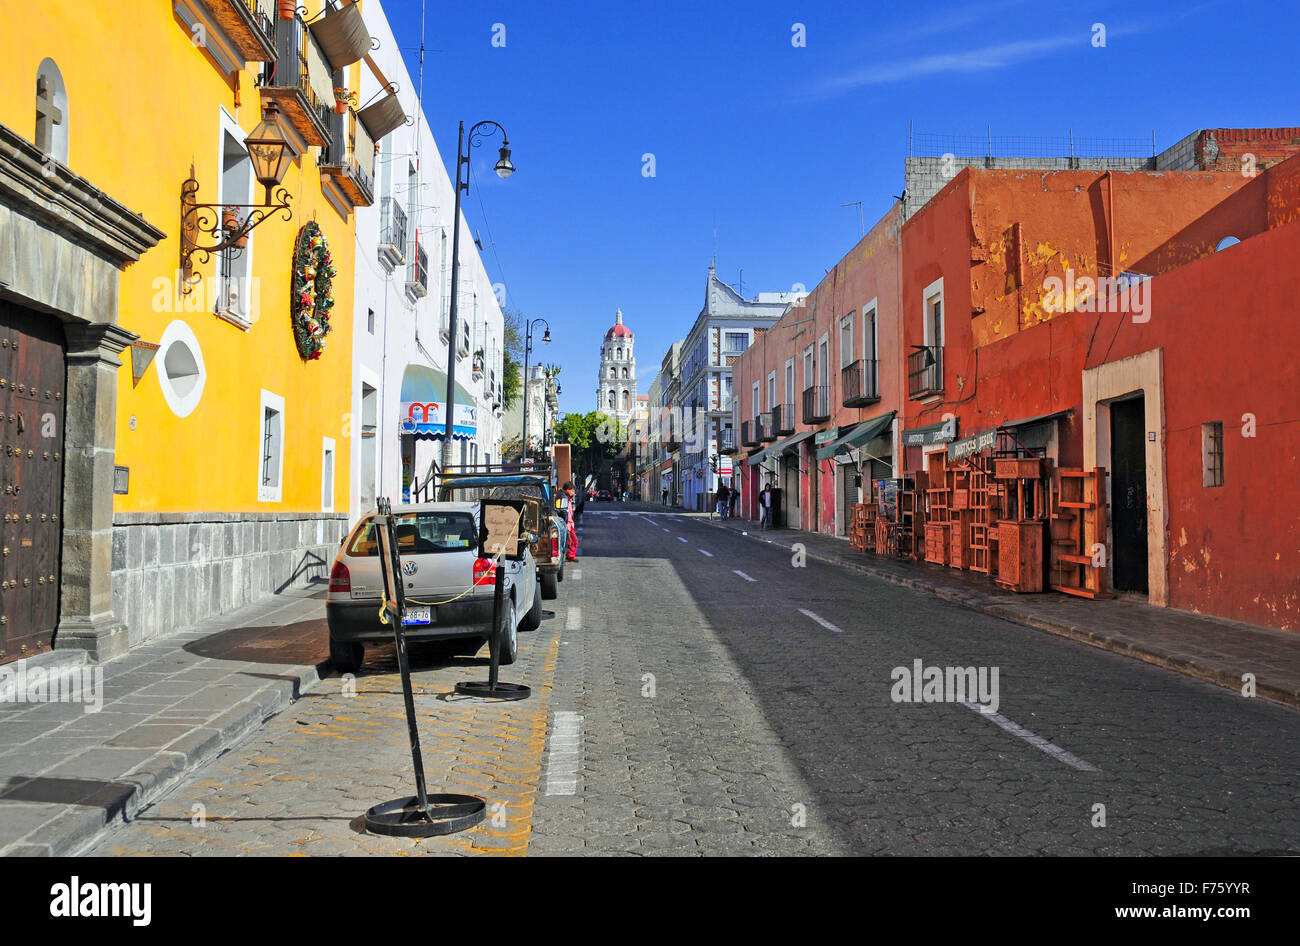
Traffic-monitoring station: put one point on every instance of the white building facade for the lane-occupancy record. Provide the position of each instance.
(725, 328)
(402, 305)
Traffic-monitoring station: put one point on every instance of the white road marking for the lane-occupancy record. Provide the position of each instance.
(667, 530)
(702, 552)
(1034, 740)
(574, 619)
(820, 620)
(681, 538)
(743, 575)
(566, 751)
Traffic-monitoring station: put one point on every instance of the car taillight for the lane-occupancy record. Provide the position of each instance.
(555, 546)
(485, 572)
(340, 578)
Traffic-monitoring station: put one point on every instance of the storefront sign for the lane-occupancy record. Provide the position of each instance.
(823, 437)
(970, 445)
(429, 418)
(933, 433)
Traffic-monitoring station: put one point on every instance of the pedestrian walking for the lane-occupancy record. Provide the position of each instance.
(734, 499)
(765, 507)
(581, 502)
(665, 499)
(722, 500)
(572, 553)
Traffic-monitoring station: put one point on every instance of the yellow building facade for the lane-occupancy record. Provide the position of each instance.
(228, 452)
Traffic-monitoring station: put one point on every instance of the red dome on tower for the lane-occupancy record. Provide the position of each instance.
(619, 330)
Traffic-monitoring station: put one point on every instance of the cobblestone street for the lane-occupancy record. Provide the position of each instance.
(696, 692)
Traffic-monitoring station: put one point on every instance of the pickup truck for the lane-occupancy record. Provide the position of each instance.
(541, 518)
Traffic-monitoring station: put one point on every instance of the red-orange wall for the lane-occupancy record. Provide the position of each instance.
(1006, 355)
(1230, 330)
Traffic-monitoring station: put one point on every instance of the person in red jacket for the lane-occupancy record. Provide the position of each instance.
(568, 490)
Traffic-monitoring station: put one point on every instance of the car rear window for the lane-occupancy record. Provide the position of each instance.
(421, 533)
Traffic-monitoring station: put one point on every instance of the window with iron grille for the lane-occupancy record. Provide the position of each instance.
(1212, 453)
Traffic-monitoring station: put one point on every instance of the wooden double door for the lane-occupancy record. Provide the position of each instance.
(33, 377)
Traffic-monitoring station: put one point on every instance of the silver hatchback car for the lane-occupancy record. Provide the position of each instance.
(448, 588)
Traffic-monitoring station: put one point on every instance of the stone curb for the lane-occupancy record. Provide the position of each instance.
(81, 827)
(1008, 612)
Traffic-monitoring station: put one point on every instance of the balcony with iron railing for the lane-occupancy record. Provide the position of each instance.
(925, 371)
(766, 427)
(392, 233)
(249, 25)
(858, 384)
(727, 441)
(349, 160)
(299, 81)
(417, 273)
(749, 433)
(783, 419)
(816, 404)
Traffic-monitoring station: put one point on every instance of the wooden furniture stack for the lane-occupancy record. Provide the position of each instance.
(938, 498)
(862, 527)
(985, 510)
(911, 515)
(1020, 535)
(1078, 531)
(959, 515)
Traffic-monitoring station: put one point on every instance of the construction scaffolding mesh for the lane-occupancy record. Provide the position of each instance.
(1019, 146)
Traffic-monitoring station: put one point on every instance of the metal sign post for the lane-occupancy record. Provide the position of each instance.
(421, 815)
(500, 539)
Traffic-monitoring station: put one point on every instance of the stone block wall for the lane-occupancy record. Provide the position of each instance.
(171, 570)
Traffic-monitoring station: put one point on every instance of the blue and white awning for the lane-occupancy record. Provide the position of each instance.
(423, 406)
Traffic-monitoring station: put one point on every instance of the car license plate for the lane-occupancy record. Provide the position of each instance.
(417, 616)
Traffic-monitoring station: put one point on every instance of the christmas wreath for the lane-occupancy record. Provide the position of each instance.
(310, 299)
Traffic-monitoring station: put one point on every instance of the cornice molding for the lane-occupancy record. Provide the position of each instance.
(37, 186)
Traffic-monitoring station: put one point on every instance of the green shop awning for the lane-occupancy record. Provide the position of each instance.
(866, 431)
(780, 447)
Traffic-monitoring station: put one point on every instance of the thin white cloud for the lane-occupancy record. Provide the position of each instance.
(999, 56)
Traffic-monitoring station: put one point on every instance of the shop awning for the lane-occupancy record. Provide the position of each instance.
(424, 393)
(1026, 421)
(862, 433)
(780, 447)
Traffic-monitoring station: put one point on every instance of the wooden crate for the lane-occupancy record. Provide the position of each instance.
(1017, 468)
(1020, 555)
(936, 543)
(959, 551)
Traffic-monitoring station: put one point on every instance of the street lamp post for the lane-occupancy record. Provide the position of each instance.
(504, 169)
(528, 348)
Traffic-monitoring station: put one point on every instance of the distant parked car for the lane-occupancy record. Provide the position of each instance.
(448, 588)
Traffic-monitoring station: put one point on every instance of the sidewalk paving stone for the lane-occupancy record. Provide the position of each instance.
(170, 706)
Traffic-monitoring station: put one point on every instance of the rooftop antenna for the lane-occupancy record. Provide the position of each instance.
(715, 239)
(862, 227)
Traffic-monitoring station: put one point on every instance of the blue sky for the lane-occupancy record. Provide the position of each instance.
(767, 139)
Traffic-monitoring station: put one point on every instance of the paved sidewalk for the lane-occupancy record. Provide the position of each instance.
(168, 707)
(1211, 649)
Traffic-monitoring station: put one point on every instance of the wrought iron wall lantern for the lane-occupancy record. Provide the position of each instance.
(228, 225)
